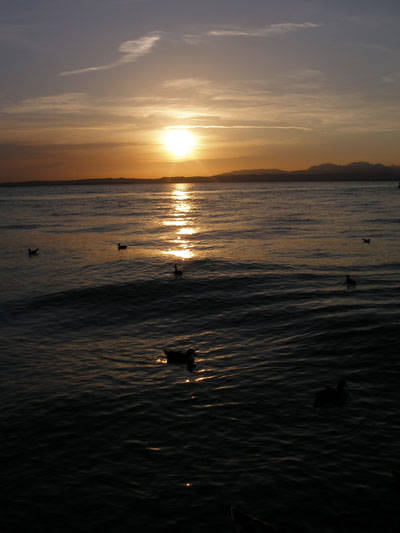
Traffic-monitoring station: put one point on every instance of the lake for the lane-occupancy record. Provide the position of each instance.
(101, 434)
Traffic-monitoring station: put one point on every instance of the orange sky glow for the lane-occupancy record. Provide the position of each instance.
(281, 85)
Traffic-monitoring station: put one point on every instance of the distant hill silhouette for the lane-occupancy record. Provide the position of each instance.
(353, 168)
(256, 171)
(359, 171)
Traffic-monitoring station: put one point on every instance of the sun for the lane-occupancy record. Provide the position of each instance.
(180, 142)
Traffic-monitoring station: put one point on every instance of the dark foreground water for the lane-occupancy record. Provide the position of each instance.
(99, 434)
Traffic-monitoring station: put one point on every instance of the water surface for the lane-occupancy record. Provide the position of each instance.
(100, 434)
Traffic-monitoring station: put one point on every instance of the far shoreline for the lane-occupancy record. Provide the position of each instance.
(203, 180)
(361, 171)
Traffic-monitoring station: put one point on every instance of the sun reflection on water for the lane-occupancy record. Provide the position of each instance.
(180, 192)
(181, 254)
(186, 231)
(183, 207)
(181, 248)
(176, 222)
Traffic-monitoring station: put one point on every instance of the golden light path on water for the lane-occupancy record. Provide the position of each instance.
(181, 247)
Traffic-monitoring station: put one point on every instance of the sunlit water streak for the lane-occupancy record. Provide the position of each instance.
(99, 434)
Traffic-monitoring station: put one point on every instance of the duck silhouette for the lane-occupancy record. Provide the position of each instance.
(367, 241)
(331, 397)
(182, 358)
(350, 283)
(178, 273)
(33, 252)
(122, 246)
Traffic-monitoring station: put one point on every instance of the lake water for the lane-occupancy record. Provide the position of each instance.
(100, 434)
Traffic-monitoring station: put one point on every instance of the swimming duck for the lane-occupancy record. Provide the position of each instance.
(122, 246)
(367, 241)
(179, 358)
(245, 523)
(350, 282)
(330, 396)
(33, 252)
(177, 272)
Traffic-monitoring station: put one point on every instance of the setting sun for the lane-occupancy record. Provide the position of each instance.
(180, 142)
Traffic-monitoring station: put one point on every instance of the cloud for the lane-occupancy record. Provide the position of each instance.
(269, 31)
(22, 149)
(131, 51)
(250, 92)
(236, 127)
(60, 103)
(309, 102)
(14, 34)
(394, 77)
(185, 83)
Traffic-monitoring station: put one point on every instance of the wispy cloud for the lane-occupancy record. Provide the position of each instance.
(235, 127)
(308, 103)
(59, 103)
(185, 83)
(268, 31)
(250, 92)
(394, 77)
(273, 30)
(131, 51)
(14, 34)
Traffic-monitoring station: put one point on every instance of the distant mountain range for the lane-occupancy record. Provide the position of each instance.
(360, 171)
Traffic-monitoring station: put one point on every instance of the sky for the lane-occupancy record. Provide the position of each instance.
(96, 88)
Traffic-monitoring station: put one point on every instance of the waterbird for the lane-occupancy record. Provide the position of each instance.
(367, 241)
(350, 282)
(245, 523)
(181, 358)
(122, 246)
(33, 252)
(177, 272)
(332, 397)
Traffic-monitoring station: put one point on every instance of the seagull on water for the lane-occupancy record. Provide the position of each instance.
(182, 358)
(350, 282)
(330, 396)
(177, 272)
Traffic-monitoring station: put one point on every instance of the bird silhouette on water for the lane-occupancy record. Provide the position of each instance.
(178, 273)
(367, 241)
(350, 283)
(330, 397)
(122, 246)
(176, 357)
(33, 252)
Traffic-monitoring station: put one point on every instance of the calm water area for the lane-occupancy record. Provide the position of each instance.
(100, 434)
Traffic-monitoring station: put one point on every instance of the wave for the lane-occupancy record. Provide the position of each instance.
(19, 226)
(278, 300)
